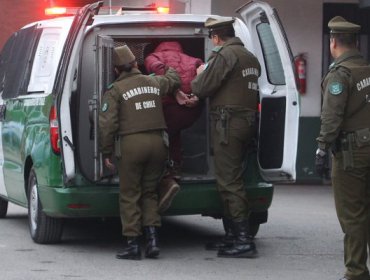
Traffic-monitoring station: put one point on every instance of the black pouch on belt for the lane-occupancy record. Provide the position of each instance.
(362, 137)
(165, 138)
(117, 147)
(346, 148)
(222, 126)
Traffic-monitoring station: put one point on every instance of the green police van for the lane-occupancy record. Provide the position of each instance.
(52, 76)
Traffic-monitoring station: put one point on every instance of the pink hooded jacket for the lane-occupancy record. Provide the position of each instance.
(171, 54)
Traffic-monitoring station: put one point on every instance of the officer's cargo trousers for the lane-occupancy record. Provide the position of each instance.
(143, 157)
(229, 158)
(352, 201)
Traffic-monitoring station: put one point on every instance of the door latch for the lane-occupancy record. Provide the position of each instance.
(2, 112)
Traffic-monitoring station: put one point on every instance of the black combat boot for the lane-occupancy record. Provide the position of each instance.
(132, 250)
(152, 249)
(227, 240)
(243, 246)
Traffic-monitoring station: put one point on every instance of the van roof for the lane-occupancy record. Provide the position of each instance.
(128, 18)
(132, 18)
(54, 22)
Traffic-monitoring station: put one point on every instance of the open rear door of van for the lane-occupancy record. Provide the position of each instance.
(105, 46)
(65, 80)
(279, 118)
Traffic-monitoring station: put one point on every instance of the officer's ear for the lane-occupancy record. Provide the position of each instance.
(116, 72)
(333, 41)
(216, 39)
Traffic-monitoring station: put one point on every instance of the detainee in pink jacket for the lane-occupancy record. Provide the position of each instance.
(178, 116)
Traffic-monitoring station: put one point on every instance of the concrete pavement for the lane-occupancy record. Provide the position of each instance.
(301, 241)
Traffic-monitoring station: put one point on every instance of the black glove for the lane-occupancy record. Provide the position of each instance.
(322, 162)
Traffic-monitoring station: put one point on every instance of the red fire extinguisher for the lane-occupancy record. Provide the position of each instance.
(300, 65)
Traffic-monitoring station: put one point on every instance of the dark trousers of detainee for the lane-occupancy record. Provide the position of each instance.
(142, 162)
(230, 159)
(178, 118)
(352, 201)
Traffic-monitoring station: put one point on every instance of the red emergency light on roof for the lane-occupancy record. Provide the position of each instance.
(163, 10)
(147, 9)
(60, 11)
(64, 11)
(55, 11)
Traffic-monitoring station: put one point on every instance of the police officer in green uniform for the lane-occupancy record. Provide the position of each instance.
(345, 128)
(230, 80)
(131, 110)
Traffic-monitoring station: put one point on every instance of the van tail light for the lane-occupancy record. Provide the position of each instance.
(54, 130)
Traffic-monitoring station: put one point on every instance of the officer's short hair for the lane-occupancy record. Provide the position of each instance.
(224, 33)
(125, 67)
(345, 39)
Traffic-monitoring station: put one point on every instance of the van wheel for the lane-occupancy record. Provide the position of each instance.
(43, 229)
(253, 230)
(3, 207)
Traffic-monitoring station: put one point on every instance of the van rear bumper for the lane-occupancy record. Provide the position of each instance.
(102, 201)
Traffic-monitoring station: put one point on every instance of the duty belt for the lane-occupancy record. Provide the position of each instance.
(222, 116)
(358, 138)
(218, 111)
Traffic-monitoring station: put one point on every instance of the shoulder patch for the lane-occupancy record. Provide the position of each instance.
(217, 49)
(152, 74)
(332, 65)
(335, 88)
(110, 86)
(105, 106)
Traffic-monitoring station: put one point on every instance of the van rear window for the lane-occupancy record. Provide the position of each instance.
(274, 67)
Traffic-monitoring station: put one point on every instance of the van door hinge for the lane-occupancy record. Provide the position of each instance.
(264, 18)
(2, 112)
(65, 138)
(93, 107)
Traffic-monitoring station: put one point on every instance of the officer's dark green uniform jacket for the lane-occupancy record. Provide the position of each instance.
(230, 77)
(345, 90)
(133, 104)
(230, 80)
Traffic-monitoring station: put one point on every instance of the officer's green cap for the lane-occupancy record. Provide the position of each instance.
(340, 25)
(122, 55)
(216, 23)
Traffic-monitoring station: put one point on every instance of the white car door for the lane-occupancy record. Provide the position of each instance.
(64, 84)
(2, 182)
(105, 77)
(262, 33)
